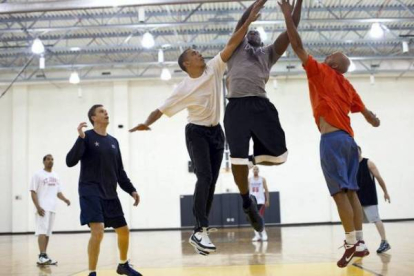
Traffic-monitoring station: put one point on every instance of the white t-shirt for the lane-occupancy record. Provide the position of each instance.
(47, 186)
(201, 96)
(257, 189)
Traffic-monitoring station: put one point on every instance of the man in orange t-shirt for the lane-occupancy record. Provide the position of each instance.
(332, 98)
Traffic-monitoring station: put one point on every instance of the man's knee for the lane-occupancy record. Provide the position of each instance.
(97, 231)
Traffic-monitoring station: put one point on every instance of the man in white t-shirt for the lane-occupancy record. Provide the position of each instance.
(200, 93)
(258, 189)
(45, 188)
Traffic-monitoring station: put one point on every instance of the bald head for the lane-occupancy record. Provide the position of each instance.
(339, 62)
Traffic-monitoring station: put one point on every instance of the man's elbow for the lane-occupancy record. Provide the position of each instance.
(70, 163)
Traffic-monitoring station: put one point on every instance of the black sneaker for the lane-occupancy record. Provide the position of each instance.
(253, 216)
(92, 274)
(126, 269)
(384, 246)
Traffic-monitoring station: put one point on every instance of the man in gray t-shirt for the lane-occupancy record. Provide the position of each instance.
(250, 114)
(249, 68)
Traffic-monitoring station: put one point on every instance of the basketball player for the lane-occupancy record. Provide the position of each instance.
(250, 114)
(101, 170)
(332, 98)
(45, 188)
(367, 194)
(258, 189)
(200, 94)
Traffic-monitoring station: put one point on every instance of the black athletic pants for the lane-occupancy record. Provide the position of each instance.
(205, 146)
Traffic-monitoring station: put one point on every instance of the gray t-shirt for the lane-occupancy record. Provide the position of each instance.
(248, 70)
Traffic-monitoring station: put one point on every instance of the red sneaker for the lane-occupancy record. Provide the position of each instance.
(361, 249)
(348, 255)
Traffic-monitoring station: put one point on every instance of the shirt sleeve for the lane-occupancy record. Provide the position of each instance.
(34, 183)
(123, 180)
(76, 153)
(218, 65)
(357, 104)
(312, 67)
(175, 103)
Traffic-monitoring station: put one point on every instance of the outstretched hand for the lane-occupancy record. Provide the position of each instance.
(80, 129)
(286, 7)
(255, 12)
(140, 127)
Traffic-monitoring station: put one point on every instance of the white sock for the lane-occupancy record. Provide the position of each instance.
(359, 235)
(350, 238)
(123, 262)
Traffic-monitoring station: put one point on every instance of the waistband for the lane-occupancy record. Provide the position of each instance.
(202, 126)
(248, 98)
(335, 134)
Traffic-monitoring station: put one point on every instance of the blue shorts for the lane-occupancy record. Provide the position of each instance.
(107, 211)
(339, 161)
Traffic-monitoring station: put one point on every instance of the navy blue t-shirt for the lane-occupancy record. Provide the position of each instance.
(101, 166)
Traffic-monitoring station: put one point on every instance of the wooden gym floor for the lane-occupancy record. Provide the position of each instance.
(311, 250)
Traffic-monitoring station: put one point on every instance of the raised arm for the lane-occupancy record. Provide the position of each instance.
(375, 172)
(293, 34)
(152, 118)
(239, 35)
(244, 17)
(282, 42)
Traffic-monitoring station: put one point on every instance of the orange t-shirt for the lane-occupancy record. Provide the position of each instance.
(332, 95)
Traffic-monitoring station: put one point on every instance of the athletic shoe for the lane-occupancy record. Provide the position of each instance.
(264, 235)
(384, 246)
(43, 260)
(253, 216)
(256, 237)
(361, 249)
(126, 269)
(348, 255)
(201, 241)
(201, 252)
(92, 274)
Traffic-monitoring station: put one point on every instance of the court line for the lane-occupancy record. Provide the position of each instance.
(366, 269)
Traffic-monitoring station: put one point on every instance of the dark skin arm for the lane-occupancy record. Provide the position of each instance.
(244, 17)
(282, 42)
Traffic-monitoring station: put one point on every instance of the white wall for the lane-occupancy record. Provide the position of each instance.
(5, 163)
(156, 161)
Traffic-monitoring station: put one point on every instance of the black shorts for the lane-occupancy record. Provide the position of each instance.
(254, 118)
(107, 211)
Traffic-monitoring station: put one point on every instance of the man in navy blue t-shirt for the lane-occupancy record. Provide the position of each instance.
(101, 171)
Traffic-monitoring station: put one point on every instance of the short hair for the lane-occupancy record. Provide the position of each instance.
(92, 110)
(44, 157)
(183, 58)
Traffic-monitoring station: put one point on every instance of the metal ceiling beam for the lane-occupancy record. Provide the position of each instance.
(107, 14)
(91, 4)
(203, 23)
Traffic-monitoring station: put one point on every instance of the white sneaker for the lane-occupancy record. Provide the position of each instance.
(201, 241)
(44, 260)
(264, 235)
(256, 237)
